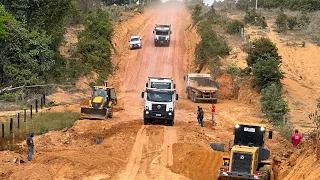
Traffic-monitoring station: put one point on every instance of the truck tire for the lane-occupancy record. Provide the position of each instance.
(170, 123)
(194, 97)
(217, 146)
(145, 121)
(215, 101)
(110, 115)
(266, 170)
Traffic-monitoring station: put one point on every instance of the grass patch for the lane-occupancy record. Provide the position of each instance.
(42, 123)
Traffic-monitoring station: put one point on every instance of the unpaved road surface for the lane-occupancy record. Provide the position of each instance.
(130, 150)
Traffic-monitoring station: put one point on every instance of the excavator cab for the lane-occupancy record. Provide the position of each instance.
(103, 98)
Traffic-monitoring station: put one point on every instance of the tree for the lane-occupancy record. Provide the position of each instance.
(292, 22)
(5, 18)
(266, 71)
(272, 104)
(26, 58)
(281, 22)
(259, 48)
(315, 117)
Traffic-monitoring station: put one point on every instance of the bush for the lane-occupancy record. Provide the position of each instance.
(259, 48)
(281, 22)
(304, 20)
(292, 22)
(234, 26)
(233, 69)
(266, 71)
(285, 130)
(252, 17)
(272, 104)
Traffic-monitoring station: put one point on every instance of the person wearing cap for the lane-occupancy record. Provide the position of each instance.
(30, 145)
(296, 139)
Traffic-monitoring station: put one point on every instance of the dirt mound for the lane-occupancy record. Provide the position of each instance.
(226, 91)
(195, 161)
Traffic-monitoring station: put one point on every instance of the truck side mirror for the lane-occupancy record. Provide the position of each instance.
(142, 94)
(184, 78)
(174, 86)
(147, 84)
(177, 97)
(170, 32)
(270, 134)
(153, 31)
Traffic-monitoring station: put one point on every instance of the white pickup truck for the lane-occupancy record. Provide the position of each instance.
(160, 83)
(159, 104)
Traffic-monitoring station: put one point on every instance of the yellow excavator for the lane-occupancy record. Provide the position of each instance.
(101, 104)
(248, 158)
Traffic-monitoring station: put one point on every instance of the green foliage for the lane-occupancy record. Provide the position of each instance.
(292, 22)
(281, 22)
(9, 97)
(5, 18)
(196, 13)
(94, 45)
(295, 5)
(26, 57)
(211, 45)
(244, 4)
(234, 26)
(260, 47)
(304, 20)
(233, 69)
(285, 130)
(45, 15)
(266, 71)
(272, 104)
(252, 17)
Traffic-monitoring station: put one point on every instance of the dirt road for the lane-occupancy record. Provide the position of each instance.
(130, 150)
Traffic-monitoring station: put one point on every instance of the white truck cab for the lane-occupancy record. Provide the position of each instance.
(160, 83)
(159, 104)
(135, 42)
(162, 35)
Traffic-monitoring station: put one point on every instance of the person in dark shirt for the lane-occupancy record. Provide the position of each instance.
(30, 145)
(200, 117)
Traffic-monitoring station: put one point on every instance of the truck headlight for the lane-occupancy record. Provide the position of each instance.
(237, 126)
(147, 107)
(147, 112)
(262, 129)
(170, 109)
(170, 113)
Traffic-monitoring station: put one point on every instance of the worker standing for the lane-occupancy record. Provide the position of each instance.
(201, 116)
(213, 110)
(198, 115)
(30, 145)
(296, 139)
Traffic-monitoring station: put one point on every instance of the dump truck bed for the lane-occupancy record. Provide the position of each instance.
(204, 85)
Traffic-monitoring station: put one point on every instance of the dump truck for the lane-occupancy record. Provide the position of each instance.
(162, 35)
(200, 87)
(159, 104)
(100, 106)
(160, 83)
(248, 158)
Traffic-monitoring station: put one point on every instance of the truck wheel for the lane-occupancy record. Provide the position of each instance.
(145, 121)
(110, 115)
(266, 170)
(188, 95)
(170, 123)
(214, 101)
(194, 97)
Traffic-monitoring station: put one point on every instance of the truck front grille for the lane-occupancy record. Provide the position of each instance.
(158, 109)
(241, 162)
(162, 38)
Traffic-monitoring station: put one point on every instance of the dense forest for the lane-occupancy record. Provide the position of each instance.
(295, 5)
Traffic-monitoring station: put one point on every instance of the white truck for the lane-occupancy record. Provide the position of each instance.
(201, 87)
(159, 104)
(162, 35)
(160, 83)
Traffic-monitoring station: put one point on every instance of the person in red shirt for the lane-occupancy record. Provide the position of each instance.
(296, 138)
(213, 110)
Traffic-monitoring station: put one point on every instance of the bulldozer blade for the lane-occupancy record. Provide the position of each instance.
(230, 178)
(90, 113)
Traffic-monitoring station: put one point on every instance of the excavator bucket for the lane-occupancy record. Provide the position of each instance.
(91, 113)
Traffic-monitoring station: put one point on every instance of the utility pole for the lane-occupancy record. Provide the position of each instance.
(256, 4)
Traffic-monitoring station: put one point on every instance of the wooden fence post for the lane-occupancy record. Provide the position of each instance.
(11, 124)
(18, 120)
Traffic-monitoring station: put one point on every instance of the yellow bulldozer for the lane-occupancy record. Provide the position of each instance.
(101, 104)
(248, 158)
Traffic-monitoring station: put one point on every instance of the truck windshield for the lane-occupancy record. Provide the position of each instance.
(98, 92)
(134, 39)
(162, 32)
(161, 85)
(159, 97)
